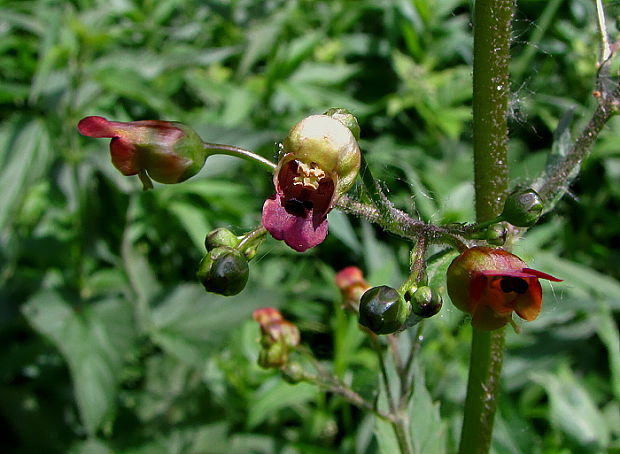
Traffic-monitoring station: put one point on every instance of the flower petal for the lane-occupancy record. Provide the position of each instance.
(299, 232)
(528, 305)
(96, 127)
(524, 273)
(541, 275)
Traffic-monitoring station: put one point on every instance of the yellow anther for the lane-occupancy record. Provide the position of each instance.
(308, 176)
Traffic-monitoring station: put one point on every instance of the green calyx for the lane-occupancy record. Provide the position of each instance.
(523, 208)
(383, 310)
(224, 271)
(221, 237)
(176, 158)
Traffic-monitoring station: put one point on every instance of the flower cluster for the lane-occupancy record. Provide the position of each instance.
(319, 162)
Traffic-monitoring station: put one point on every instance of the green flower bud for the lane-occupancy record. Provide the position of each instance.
(221, 237)
(346, 118)
(224, 271)
(426, 302)
(523, 208)
(383, 310)
(275, 355)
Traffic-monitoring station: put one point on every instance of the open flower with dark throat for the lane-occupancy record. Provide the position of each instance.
(319, 162)
(490, 284)
(168, 151)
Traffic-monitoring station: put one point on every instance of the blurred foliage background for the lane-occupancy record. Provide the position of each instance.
(109, 344)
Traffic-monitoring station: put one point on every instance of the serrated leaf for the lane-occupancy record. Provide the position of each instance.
(93, 342)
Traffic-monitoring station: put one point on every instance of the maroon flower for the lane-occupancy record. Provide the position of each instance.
(320, 161)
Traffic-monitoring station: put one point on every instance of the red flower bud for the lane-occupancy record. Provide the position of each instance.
(352, 285)
(489, 284)
(169, 151)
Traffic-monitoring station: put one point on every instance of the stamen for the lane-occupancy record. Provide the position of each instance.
(308, 176)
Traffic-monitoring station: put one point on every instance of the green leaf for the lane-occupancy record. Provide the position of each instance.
(573, 411)
(341, 228)
(273, 398)
(189, 323)
(91, 446)
(428, 431)
(607, 330)
(386, 439)
(94, 343)
(26, 159)
(192, 220)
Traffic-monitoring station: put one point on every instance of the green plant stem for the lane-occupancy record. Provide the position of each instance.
(399, 420)
(492, 28)
(558, 177)
(335, 386)
(230, 150)
(250, 239)
(485, 363)
(403, 225)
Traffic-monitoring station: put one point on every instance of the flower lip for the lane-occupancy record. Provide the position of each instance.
(524, 272)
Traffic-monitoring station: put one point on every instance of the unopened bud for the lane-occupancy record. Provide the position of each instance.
(293, 373)
(275, 355)
(523, 208)
(426, 302)
(496, 234)
(168, 151)
(383, 310)
(352, 285)
(224, 271)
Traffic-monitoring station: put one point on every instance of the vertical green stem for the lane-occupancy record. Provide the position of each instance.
(492, 20)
